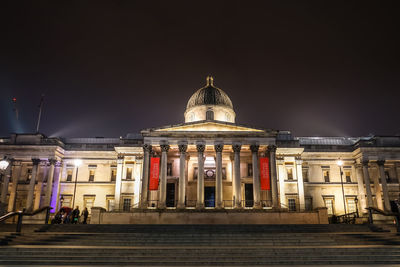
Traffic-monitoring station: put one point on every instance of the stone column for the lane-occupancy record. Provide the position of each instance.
(145, 178)
(367, 183)
(378, 191)
(55, 196)
(118, 182)
(49, 186)
(6, 179)
(218, 175)
(282, 176)
(274, 184)
(200, 176)
(361, 191)
(236, 176)
(256, 177)
(300, 183)
(381, 166)
(182, 176)
(16, 173)
(31, 186)
(40, 177)
(163, 177)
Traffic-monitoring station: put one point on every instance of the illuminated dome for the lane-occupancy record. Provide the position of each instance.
(209, 103)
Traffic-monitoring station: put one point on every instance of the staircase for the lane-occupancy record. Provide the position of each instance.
(195, 245)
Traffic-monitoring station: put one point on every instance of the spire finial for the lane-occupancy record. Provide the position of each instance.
(210, 80)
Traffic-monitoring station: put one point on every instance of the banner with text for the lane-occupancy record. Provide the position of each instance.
(154, 173)
(264, 174)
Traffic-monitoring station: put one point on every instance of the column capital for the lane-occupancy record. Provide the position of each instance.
(299, 161)
(35, 161)
(182, 148)
(236, 148)
(218, 147)
(53, 161)
(381, 162)
(164, 147)
(254, 148)
(200, 147)
(272, 148)
(147, 147)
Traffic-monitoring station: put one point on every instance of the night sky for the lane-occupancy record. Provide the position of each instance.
(316, 68)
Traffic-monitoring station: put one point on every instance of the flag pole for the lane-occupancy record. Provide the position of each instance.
(40, 113)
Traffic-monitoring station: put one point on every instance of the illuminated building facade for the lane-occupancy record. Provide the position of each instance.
(207, 162)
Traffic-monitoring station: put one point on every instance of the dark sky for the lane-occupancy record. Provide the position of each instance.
(328, 68)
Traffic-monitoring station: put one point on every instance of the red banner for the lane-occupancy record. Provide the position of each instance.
(154, 173)
(264, 174)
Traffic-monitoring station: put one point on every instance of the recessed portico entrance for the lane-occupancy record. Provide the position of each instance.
(209, 196)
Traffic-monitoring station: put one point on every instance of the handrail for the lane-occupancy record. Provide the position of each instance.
(396, 215)
(23, 213)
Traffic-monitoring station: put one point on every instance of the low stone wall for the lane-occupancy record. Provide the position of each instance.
(100, 216)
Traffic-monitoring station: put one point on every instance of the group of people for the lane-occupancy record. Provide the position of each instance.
(67, 215)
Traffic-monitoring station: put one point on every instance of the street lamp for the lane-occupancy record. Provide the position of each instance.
(77, 163)
(340, 164)
(356, 201)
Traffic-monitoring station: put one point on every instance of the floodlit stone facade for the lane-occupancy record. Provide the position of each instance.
(208, 162)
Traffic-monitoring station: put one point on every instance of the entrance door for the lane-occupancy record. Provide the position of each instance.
(209, 196)
(170, 202)
(248, 195)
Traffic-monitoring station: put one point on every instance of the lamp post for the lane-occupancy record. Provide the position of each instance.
(340, 164)
(77, 163)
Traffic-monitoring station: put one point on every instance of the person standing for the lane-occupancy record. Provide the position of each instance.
(85, 215)
(75, 215)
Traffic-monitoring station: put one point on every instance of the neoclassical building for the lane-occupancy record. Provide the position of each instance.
(207, 162)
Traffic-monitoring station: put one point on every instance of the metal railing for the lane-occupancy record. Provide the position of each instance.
(348, 218)
(23, 213)
(372, 210)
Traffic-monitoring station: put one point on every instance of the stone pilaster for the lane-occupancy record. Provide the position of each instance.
(381, 166)
(367, 183)
(182, 175)
(300, 183)
(163, 177)
(282, 176)
(200, 176)
(256, 176)
(236, 176)
(145, 179)
(31, 186)
(118, 182)
(218, 175)
(274, 182)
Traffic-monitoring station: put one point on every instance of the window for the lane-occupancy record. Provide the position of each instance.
(127, 204)
(69, 175)
(28, 174)
(292, 204)
(129, 173)
(209, 115)
(113, 174)
(169, 169)
(329, 204)
(289, 172)
(347, 173)
(67, 201)
(305, 174)
(351, 205)
(224, 173)
(326, 175)
(249, 169)
(91, 175)
(308, 203)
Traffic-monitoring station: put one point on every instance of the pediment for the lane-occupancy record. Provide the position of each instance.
(208, 126)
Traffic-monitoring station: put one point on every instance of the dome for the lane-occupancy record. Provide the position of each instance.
(209, 103)
(209, 95)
